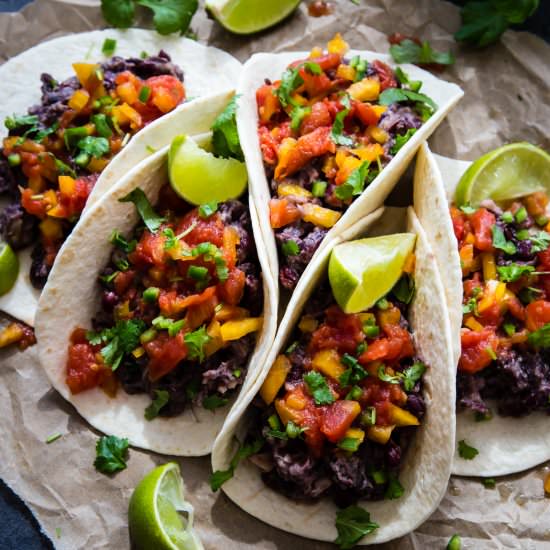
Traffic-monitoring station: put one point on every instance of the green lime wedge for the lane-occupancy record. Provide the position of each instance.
(248, 16)
(199, 177)
(361, 272)
(506, 173)
(9, 268)
(153, 514)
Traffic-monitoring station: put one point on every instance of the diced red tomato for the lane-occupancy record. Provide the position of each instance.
(282, 212)
(320, 116)
(492, 316)
(338, 417)
(313, 436)
(340, 331)
(476, 346)
(199, 313)
(171, 304)
(231, 291)
(537, 314)
(385, 74)
(36, 207)
(83, 370)
(268, 102)
(365, 113)
(149, 250)
(208, 230)
(459, 219)
(167, 92)
(123, 280)
(379, 394)
(483, 222)
(268, 145)
(164, 354)
(396, 346)
(315, 85)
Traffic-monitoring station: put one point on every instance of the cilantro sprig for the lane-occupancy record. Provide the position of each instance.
(319, 388)
(196, 342)
(408, 51)
(150, 218)
(500, 242)
(337, 133)
(465, 451)
(161, 398)
(540, 338)
(355, 184)
(352, 524)
(225, 138)
(111, 454)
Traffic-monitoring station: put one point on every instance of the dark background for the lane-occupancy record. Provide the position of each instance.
(19, 530)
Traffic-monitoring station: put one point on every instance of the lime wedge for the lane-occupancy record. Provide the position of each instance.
(248, 16)
(506, 173)
(9, 268)
(199, 177)
(361, 272)
(153, 514)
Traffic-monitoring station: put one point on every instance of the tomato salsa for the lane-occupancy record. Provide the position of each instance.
(326, 129)
(54, 154)
(338, 406)
(505, 257)
(181, 304)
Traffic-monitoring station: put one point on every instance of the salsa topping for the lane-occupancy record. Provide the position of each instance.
(181, 300)
(327, 128)
(505, 335)
(54, 154)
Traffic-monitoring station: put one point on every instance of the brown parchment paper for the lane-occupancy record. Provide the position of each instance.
(507, 99)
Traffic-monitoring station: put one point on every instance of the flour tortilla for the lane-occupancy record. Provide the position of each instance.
(506, 445)
(272, 66)
(426, 466)
(20, 77)
(71, 298)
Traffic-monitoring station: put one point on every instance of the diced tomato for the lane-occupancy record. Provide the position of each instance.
(268, 103)
(164, 354)
(365, 113)
(385, 75)
(396, 346)
(75, 202)
(313, 436)
(268, 145)
(476, 349)
(315, 85)
(83, 370)
(198, 314)
(458, 218)
(231, 291)
(327, 61)
(36, 207)
(149, 250)
(483, 222)
(282, 212)
(537, 314)
(171, 304)
(340, 331)
(470, 284)
(516, 308)
(319, 116)
(123, 280)
(209, 230)
(167, 92)
(230, 241)
(492, 316)
(338, 417)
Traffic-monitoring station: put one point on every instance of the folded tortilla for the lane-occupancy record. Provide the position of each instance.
(425, 467)
(21, 89)
(272, 66)
(506, 445)
(71, 298)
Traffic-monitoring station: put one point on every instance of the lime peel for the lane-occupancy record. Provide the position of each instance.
(9, 268)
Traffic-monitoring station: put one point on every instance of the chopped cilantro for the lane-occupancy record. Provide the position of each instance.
(540, 338)
(465, 451)
(161, 398)
(212, 402)
(394, 489)
(109, 47)
(412, 374)
(290, 80)
(489, 482)
(111, 454)
(354, 372)
(382, 375)
(337, 133)
(319, 388)
(225, 138)
(120, 242)
(500, 242)
(401, 139)
(355, 183)
(94, 146)
(208, 209)
(196, 341)
(403, 290)
(169, 16)
(350, 444)
(539, 241)
(406, 82)
(397, 95)
(293, 430)
(18, 121)
(277, 434)
(118, 13)
(512, 272)
(410, 52)
(352, 524)
(290, 248)
(150, 218)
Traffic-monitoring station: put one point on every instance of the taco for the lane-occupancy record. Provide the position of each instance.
(494, 258)
(353, 412)
(326, 135)
(149, 324)
(97, 91)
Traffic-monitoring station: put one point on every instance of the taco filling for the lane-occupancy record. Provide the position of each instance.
(54, 154)
(326, 129)
(505, 336)
(339, 406)
(181, 301)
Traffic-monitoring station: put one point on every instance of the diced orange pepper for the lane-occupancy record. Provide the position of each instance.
(79, 100)
(275, 379)
(282, 212)
(401, 417)
(470, 238)
(547, 484)
(346, 72)
(390, 316)
(380, 434)
(367, 89)
(11, 334)
(337, 45)
(348, 165)
(127, 92)
(84, 72)
(370, 152)
(473, 324)
(97, 165)
(227, 312)
(270, 107)
(377, 134)
(317, 215)
(67, 185)
(287, 413)
(328, 362)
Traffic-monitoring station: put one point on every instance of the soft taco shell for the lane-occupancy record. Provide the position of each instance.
(71, 298)
(426, 466)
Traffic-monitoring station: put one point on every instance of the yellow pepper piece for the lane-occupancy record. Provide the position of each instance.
(125, 114)
(500, 292)
(380, 434)
(347, 167)
(235, 330)
(317, 215)
(355, 433)
(346, 72)
(489, 266)
(275, 379)
(370, 152)
(315, 52)
(401, 417)
(341, 156)
(79, 100)
(216, 342)
(51, 228)
(470, 239)
(376, 133)
(337, 45)
(286, 189)
(10, 335)
(379, 109)
(473, 324)
(138, 352)
(122, 311)
(97, 165)
(328, 362)
(410, 262)
(367, 89)
(227, 312)
(66, 185)
(307, 323)
(84, 71)
(286, 413)
(390, 316)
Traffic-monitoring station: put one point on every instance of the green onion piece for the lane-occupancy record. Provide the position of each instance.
(293, 430)
(151, 294)
(274, 422)
(380, 477)
(523, 235)
(509, 329)
(144, 94)
(489, 482)
(507, 217)
(14, 159)
(382, 304)
(368, 417)
(290, 248)
(109, 47)
(206, 210)
(350, 444)
(361, 348)
(73, 135)
(198, 273)
(491, 353)
(521, 215)
(82, 160)
(53, 437)
(541, 220)
(102, 125)
(291, 348)
(371, 331)
(318, 189)
(354, 394)
(148, 336)
(237, 373)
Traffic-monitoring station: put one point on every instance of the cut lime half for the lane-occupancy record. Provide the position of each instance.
(511, 171)
(9, 268)
(248, 16)
(199, 177)
(153, 514)
(361, 272)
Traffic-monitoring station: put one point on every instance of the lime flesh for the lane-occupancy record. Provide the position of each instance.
(361, 272)
(9, 268)
(248, 16)
(153, 513)
(199, 177)
(506, 173)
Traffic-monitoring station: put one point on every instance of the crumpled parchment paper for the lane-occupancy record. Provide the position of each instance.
(507, 99)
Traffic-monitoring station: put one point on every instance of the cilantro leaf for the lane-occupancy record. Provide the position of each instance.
(394, 489)
(539, 241)
(94, 146)
(337, 132)
(208, 209)
(290, 248)
(150, 218)
(513, 272)
(354, 373)
(173, 327)
(212, 402)
(396, 95)
(195, 342)
(401, 139)
(540, 338)
(412, 374)
(290, 80)
(382, 375)
(353, 523)
(111, 454)
(219, 477)
(465, 451)
(410, 52)
(120, 242)
(118, 13)
(403, 290)
(171, 15)
(18, 121)
(319, 388)
(161, 398)
(405, 80)
(500, 242)
(355, 183)
(225, 138)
